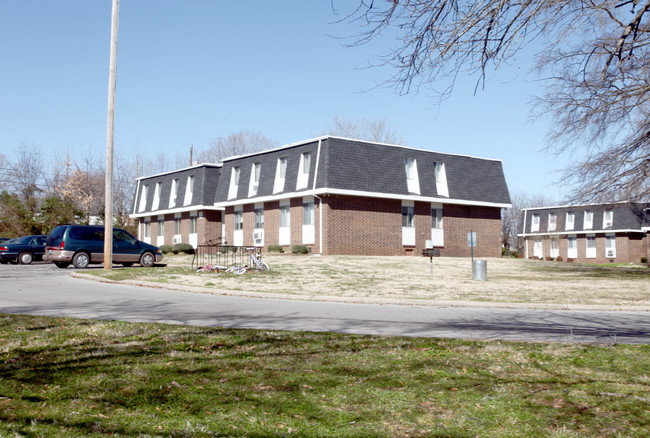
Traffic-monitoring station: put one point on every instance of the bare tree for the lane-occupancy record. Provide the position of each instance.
(26, 172)
(377, 130)
(595, 56)
(511, 218)
(238, 143)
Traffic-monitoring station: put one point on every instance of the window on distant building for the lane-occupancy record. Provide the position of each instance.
(552, 222)
(408, 223)
(303, 170)
(156, 196)
(610, 246)
(143, 198)
(534, 225)
(254, 184)
(590, 244)
(570, 221)
(233, 188)
(280, 175)
(259, 217)
(189, 190)
(173, 194)
(177, 225)
(589, 220)
(308, 220)
(437, 232)
(258, 226)
(285, 223)
(608, 219)
(440, 175)
(572, 247)
(412, 179)
(239, 220)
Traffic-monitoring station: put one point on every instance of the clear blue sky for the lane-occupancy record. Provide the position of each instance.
(191, 71)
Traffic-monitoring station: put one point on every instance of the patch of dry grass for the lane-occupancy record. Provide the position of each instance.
(400, 278)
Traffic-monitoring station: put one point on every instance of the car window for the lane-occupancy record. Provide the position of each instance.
(123, 235)
(97, 234)
(78, 233)
(41, 240)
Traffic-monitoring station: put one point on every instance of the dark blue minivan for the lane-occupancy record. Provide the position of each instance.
(81, 245)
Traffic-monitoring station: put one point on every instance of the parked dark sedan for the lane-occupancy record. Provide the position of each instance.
(23, 250)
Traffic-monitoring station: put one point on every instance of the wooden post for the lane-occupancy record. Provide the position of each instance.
(108, 202)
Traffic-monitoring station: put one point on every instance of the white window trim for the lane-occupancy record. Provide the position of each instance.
(591, 253)
(254, 182)
(189, 190)
(588, 225)
(408, 232)
(552, 224)
(280, 175)
(143, 198)
(437, 233)
(572, 253)
(156, 196)
(233, 188)
(285, 231)
(441, 180)
(308, 230)
(534, 222)
(610, 250)
(608, 222)
(173, 193)
(303, 170)
(570, 224)
(412, 179)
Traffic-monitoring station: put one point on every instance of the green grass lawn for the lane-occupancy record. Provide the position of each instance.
(62, 377)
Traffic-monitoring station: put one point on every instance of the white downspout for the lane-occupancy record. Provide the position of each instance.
(320, 203)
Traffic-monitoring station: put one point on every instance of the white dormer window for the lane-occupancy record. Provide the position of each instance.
(254, 183)
(173, 194)
(552, 221)
(143, 198)
(412, 180)
(156, 196)
(608, 219)
(570, 221)
(441, 179)
(234, 183)
(589, 220)
(303, 170)
(189, 190)
(280, 175)
(534, 225)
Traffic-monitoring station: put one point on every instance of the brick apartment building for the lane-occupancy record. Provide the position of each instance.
(333, 195)
(597, 233)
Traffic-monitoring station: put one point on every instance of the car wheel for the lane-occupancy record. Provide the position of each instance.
(81, 260)
(25, 258)
(62, 265)
(147, 260)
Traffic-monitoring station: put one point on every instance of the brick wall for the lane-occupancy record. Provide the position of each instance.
(459, 220)
(367, 226)
(209, 227)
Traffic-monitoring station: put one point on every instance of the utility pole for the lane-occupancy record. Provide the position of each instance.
(108, 202)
